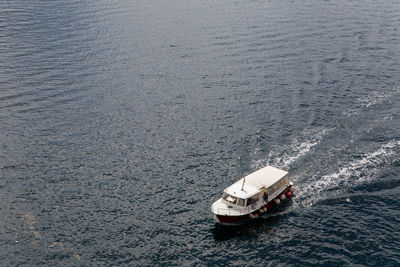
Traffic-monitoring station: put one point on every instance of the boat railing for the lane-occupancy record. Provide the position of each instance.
(251, 208)
(238, 212)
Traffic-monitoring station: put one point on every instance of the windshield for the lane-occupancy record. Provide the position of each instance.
(234, 200)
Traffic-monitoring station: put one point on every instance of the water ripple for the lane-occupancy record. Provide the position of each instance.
(121, 122)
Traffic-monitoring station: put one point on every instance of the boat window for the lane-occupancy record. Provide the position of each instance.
(278, 185)
(252, 200)
(230, 198)
(240, 202)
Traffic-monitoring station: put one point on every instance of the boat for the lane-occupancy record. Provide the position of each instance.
(252, 196)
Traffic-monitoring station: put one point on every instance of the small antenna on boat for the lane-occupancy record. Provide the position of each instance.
(244, 179)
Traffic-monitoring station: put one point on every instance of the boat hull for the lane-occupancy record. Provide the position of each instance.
(227, 219)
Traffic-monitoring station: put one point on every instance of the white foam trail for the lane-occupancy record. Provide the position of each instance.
(283, 156)
(355, 172)
(373, 98)
(377, 97)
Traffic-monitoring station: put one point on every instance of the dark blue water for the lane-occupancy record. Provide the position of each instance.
(122, 121)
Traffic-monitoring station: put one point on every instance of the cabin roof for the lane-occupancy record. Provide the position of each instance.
(264, 177)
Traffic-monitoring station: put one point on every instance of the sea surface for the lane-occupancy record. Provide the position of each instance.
(122, 121)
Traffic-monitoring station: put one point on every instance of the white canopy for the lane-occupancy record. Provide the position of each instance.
(264, 177)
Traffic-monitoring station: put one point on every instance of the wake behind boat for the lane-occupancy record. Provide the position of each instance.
(252, 195)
